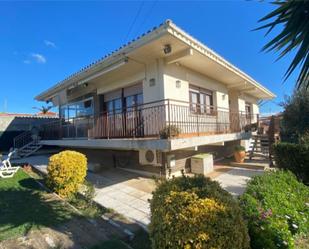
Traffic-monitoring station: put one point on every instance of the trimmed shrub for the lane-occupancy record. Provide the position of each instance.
(66, 171)
(293, 157)
(195, 213)
(276, 207)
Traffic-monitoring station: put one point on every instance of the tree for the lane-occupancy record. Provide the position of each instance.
(294, 16)
(43, 109)
(295, 121)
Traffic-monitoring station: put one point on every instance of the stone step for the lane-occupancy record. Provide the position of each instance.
(251, 164)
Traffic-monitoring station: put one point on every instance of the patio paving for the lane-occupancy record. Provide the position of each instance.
(235, 180)
(128, 193)
(125, 192)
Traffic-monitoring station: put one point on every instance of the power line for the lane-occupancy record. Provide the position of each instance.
(134, 20)
(147, 16)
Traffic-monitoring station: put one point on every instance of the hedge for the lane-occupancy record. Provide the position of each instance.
(276, 207)
(196, 213)
(66, 171)
(293, 157)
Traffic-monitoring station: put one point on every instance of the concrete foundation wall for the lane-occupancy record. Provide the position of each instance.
(183, 157)
(119, 159)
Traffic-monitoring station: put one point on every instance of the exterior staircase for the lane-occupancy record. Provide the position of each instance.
(259, 147)
(26, 144)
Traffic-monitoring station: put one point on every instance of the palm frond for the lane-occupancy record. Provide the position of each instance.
(293, 15)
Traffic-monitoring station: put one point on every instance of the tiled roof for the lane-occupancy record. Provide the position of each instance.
(98, 61)
(177, 32)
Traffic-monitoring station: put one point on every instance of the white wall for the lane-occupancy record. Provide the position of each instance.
(172, 73)
(113, 84)
(154, 70)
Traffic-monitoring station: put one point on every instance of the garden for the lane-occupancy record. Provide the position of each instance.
(186, 212)
(272, 213)
(57, 211)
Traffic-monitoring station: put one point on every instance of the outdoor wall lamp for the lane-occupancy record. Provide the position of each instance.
(178, 84)
(167, 49)
(152, 82)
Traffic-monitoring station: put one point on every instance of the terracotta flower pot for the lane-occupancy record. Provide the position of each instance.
(27, 167)
(239, 156)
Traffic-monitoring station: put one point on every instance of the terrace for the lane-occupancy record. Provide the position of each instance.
(149, 120)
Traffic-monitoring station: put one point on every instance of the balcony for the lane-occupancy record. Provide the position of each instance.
(149, 119)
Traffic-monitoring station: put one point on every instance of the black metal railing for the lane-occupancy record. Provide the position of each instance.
(147, 120)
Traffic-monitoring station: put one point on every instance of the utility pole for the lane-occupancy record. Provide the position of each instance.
(5, 105)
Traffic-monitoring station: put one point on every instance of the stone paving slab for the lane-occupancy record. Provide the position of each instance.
(128, 193)
(119, 194)
(235, 180)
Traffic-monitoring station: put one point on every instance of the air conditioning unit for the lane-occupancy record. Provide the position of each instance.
(148, 157)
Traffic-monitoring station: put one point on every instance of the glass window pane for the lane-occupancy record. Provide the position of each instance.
(193, 104)
(129, 102)
(208, 103)
(110, 106)
(117, 105)
(139, 99)
(202, 103)
(72, 111)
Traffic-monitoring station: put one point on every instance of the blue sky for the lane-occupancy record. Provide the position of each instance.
(43, 42)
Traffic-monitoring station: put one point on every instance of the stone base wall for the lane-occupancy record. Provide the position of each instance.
(183, 157)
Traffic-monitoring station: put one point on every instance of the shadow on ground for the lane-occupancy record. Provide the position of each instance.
(32, 218)
(25, 208)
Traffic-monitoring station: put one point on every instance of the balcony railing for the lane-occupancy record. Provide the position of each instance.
(147, 120)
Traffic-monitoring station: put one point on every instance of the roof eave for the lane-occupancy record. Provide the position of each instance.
(166, 27)
(122, 51)
(194, 43)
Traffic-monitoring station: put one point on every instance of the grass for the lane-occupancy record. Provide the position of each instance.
(25, 206)
(112, 244)
(140, 241)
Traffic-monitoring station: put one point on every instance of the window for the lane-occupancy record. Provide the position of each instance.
(134, 101)
(201, 100)
(194, 102)
(114, 106)
(77, 109)
(248, 109)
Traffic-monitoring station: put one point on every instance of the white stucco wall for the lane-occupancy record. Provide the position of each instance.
(111, 84)
(151, 70)
(172, 73)
(154, 92)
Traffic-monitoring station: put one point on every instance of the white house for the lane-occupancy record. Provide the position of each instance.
(164, 82)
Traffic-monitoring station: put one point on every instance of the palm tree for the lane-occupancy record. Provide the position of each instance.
(43, 109)
(294, 16)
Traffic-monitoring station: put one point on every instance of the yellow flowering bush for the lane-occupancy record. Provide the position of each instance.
(196, 213)
(66, 171)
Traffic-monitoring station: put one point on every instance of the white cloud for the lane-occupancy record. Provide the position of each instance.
(39, 58)
(26, 61)
(50, 43)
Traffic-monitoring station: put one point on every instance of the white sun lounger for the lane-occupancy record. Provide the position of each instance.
(6, 169)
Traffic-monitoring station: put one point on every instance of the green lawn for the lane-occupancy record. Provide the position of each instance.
(140, 241)
(25, 206)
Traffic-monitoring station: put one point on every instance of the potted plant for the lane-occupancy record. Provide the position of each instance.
(169, 131)
(239, 153)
